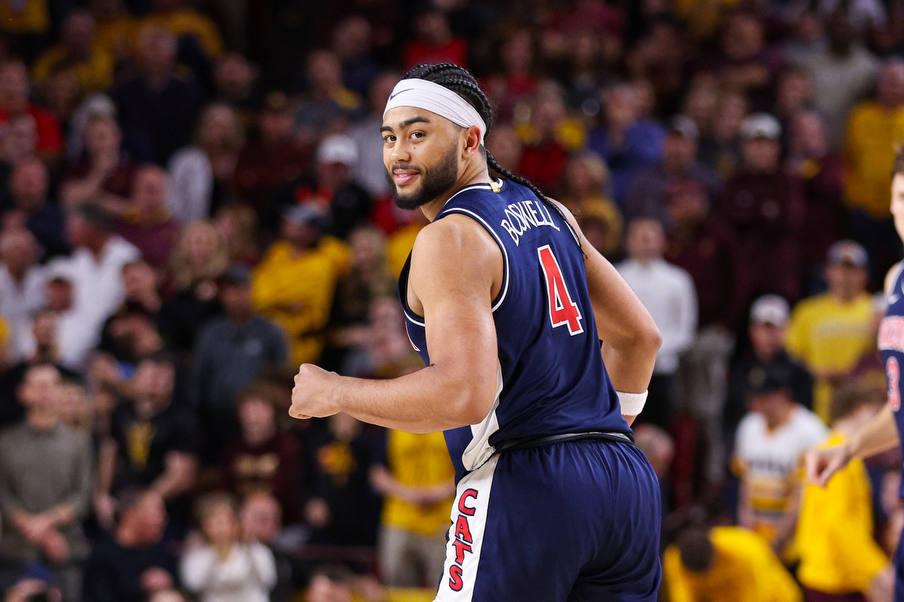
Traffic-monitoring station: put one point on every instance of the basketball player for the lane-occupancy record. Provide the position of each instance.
(884, 431)
(507, 303)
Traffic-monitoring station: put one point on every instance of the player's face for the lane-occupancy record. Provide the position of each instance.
(420, 152)
(897, 203)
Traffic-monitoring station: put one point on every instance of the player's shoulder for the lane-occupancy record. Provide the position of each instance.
(455, 237)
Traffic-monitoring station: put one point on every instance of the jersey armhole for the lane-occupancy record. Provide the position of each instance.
(503, 290)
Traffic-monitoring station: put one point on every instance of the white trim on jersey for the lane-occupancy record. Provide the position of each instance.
(505, 258)
(412, 318)
(465, 541)
(479, 449)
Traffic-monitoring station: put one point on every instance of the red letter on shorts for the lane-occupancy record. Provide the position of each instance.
(463, 529)
(455, 580)
(460, 549)
(467, 493)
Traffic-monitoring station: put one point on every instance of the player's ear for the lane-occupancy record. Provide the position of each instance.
(471, 140)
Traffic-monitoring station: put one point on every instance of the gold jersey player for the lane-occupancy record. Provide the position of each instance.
(507, 302)
(884, 431)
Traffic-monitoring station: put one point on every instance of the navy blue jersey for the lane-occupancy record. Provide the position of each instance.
(891, 344)
(551, 378)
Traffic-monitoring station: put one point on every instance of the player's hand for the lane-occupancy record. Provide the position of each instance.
(313, 395)
(824, 462)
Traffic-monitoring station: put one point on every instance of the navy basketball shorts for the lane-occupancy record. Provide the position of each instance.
(570, 521)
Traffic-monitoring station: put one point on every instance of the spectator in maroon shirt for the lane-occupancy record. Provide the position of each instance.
(14, 90)
(263, 459)
(702, 246)
(434, 42)
(105, 171)
(822, 171)
(146, 221)
(764, 209)
(745, 64)
(272, 158)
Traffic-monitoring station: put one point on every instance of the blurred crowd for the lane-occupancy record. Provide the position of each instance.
(193, 202)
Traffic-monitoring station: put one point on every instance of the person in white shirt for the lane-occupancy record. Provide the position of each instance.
(95, 271)
(769, 450)
(225, 569)
(668, 294)
(21, 287)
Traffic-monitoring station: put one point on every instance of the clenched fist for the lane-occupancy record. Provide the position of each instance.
(314, 393)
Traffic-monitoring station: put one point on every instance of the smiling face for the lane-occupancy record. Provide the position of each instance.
(421, 155)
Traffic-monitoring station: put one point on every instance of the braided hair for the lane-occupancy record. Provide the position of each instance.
(462, 82)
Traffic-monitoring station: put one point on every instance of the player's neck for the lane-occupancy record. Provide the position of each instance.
(476, 173)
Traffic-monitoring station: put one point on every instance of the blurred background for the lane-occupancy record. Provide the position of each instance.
(193, 202)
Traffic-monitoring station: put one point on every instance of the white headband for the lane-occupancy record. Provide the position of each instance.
(433, 97)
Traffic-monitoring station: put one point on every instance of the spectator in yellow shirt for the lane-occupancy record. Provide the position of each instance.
(185, 21)
(875, 127)
(839, 558)
(77, 50)
(725, 563)
(829, 333)
(115, 29)
(295, 282)
(418, 482)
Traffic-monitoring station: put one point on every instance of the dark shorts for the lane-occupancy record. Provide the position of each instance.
(576, 521)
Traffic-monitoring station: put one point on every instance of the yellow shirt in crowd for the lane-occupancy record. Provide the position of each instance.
(418, 461)
(872, 134)
(117, 36)
(838, 554)
(829, 336)
(296, 292)
(94, 74)
(399, 246)
(189, 22)
(25, 16)
(744, 569)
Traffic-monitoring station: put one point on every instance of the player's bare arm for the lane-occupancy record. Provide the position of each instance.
(878, 435)
(454, 271)
(630, 336)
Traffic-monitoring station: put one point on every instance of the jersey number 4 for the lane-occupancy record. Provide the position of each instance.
(562, 310)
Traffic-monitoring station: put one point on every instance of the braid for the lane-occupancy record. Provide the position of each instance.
(462, 82)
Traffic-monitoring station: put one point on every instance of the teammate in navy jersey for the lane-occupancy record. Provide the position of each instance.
(507, 303)
(884, 431)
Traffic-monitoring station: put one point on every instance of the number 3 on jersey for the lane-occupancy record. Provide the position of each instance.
(562, 310)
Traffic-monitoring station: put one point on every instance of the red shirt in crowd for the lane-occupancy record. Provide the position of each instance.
(453, 51)
(50, 137)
